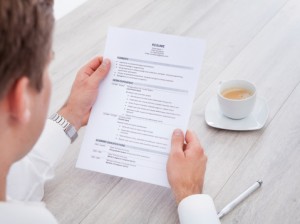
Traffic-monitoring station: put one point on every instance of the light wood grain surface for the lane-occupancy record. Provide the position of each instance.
(257, 40)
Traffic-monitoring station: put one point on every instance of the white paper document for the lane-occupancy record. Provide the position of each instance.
(148, 93)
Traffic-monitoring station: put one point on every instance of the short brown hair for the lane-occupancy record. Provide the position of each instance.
(25, 41)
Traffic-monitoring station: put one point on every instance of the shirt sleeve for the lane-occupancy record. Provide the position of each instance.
(197, 209)
(25, 213)
(27, 177)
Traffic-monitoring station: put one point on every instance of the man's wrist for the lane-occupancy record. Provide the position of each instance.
(72, 116)
(184, 193)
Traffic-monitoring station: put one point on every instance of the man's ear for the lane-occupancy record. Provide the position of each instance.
(19, 100)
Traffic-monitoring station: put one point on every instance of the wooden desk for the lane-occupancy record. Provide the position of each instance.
(257, 40)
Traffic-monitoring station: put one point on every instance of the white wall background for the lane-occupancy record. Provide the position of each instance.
(63, 7)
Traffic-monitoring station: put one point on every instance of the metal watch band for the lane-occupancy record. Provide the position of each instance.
(68, 128)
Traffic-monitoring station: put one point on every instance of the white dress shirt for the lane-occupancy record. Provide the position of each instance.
(197, 209)
(27, 177)
(25, 213)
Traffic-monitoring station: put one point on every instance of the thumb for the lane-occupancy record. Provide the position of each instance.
(101, 71)
(177, 141)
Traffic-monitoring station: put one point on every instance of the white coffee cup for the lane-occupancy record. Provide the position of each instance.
(236, 108)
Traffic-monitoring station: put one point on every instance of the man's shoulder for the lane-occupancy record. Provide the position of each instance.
(25, 213)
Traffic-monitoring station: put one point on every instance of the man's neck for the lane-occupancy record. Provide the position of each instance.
(3, 175)
(8, 146)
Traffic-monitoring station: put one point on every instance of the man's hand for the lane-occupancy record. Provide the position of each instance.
(186, 165)
(84, 92)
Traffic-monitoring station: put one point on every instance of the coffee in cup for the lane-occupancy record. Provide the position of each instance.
(237, 93)
(236, 98)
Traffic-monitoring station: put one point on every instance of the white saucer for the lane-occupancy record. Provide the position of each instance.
(256, 120)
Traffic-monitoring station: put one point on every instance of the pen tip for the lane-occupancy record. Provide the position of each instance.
(260, 182)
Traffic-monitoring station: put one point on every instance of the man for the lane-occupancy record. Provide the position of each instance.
(25, 53)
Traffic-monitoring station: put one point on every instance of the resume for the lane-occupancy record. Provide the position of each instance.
(148, 93)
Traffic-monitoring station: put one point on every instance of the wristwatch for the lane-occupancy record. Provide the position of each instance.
(67, 126)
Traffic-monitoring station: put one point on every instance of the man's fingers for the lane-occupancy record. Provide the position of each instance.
(101, 71)
(177, 141)
(193, 144)
(92, 65)
(191, 138)
(95, 63)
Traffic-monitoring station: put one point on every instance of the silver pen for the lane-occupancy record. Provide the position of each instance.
(228, 208)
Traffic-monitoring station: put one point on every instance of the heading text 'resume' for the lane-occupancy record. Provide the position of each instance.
(158, 45)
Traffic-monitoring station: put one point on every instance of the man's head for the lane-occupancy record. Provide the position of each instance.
(25, 52)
